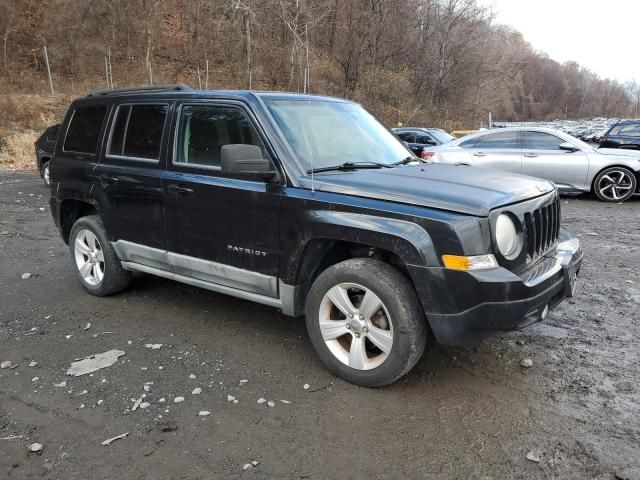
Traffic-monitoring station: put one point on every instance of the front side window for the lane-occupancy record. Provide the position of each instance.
(327, 134)
(205, 129)
(542, 141)
(84, 129)
(137, 131)
(424, 139)
(406, 137)
(501, 140)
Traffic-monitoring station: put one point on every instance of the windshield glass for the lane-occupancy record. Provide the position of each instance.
(441, 136)
(326, 134)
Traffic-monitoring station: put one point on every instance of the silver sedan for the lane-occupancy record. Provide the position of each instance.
(570, 163)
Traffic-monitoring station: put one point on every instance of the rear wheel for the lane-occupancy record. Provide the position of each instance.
(615, 184)
(94, 259)
(365, 322)
(44, 171)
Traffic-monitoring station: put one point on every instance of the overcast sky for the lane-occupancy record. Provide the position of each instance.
(599, 34)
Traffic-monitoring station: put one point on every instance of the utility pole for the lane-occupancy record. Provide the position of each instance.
(46, 59)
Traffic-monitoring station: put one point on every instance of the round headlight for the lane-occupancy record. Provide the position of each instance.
(506, 237)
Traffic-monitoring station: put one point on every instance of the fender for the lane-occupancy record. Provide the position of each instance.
(409, 241)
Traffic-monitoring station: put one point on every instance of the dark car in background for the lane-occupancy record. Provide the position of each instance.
(45, 146)
(419, 138)
(625, 135)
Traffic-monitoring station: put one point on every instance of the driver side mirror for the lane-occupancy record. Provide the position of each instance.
(246, 162)
(569, 147)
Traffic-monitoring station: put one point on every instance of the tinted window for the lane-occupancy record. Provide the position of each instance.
(630, 131)
(507, 140)
(137, 131)
(423, 138)
(84, 129)
(541, 141)
(52, 133)
(204, 129)
(406, 137)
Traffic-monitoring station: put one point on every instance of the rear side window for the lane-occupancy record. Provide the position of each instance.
(84, 129)
(137, 131)
(504, 140)
(204, 129)
(541, 141)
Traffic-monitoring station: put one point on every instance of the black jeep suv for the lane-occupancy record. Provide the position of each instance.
(271, 197)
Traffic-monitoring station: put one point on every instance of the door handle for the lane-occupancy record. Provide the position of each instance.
(479, 154)
(530, 155)
(106, 180)
(180, 190)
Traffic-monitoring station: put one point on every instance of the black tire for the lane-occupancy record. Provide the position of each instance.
(115, 278)
(629, 182)
(44, 173)
(405, 311)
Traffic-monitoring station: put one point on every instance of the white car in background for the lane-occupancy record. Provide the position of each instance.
(570, 163)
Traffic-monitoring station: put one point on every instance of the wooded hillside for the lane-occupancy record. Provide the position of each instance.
(426, 62)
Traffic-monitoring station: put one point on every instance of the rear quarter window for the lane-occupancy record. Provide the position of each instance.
(84, 129)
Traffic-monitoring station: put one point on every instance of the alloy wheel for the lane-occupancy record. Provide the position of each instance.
(615, 185)
(45, 174)
(356, 326)
(89, 257)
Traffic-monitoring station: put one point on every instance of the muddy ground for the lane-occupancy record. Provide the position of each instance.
(462, 413)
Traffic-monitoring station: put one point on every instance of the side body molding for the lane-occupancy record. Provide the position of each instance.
(217, 277)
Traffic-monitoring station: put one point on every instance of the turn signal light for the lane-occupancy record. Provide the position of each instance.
(477, 262)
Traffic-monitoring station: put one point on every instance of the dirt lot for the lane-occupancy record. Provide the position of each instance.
(463, 413)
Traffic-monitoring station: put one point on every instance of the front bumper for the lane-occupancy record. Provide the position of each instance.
(485, 302)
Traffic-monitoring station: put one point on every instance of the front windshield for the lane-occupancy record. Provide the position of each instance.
(441, 136)
(325, 133)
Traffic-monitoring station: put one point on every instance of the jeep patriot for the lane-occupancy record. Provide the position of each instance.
(310, 205)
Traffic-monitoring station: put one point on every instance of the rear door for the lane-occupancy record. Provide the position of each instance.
(220, 230)
(128, 180)
(543, 158)
(501, 150)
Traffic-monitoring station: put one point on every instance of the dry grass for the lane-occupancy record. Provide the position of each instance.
(19, 153)
(22, 119)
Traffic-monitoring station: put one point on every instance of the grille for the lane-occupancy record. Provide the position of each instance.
(542, 229)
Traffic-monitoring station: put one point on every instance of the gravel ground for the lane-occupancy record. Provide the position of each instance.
(467, 413)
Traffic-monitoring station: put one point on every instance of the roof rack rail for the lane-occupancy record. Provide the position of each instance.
(146, 88)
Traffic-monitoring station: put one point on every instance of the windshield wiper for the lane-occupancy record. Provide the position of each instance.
(409, 159)
(350, 166)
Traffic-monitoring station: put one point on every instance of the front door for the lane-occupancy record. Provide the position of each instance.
(220, 230)
(543, 158)
(500, 150)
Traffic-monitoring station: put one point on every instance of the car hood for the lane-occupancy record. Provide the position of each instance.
(463, 189)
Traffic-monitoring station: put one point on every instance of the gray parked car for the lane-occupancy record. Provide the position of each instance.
(550, 154)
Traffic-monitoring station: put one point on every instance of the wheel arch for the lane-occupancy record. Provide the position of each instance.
(332, 237)
(70, 211)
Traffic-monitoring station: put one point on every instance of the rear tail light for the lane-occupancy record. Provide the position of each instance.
(426, 154)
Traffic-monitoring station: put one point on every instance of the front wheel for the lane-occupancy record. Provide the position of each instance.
(615, 184)
(365, 322)
(95, 261)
